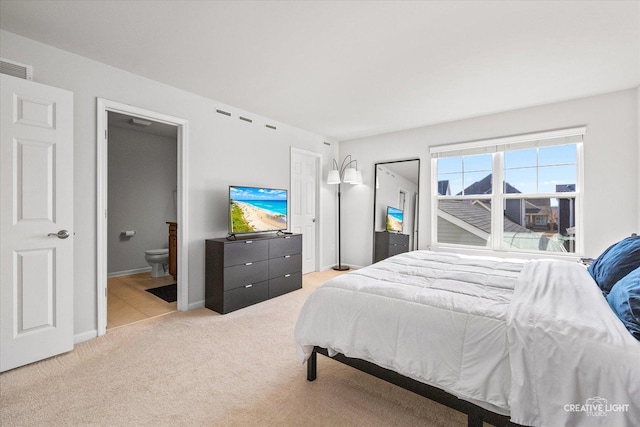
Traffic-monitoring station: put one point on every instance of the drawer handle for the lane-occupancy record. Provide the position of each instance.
(248, 286)
(287, 275)
(287, 237)
(248, 241)
(248, 263)
(287, 256)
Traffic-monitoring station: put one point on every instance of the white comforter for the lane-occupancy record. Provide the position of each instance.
(455, 322)
(438, 318)
(573, 362)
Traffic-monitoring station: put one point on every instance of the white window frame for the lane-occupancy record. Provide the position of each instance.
(497, 147)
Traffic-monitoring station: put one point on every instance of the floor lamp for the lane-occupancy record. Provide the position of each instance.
(348, 173)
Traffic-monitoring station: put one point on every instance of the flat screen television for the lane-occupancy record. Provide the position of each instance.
(394, 219)
(257, 210)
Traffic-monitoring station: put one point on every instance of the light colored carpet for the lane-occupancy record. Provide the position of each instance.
(201, 368)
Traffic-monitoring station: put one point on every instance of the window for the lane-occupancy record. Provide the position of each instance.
(516, 193)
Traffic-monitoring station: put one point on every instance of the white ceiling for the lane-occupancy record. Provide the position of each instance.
(354, 68)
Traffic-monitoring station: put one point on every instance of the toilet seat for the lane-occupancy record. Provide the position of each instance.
(157, 251)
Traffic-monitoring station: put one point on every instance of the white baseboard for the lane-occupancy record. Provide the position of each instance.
(197, 304)
(128, 272)
(85, 336)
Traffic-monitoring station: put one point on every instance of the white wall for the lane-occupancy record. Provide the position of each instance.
(222, 150)
(612, 181)
(142, 184)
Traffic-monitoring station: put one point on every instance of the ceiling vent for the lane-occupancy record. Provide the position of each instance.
(16, 69)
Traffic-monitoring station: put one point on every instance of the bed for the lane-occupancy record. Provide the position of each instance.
(505, 341)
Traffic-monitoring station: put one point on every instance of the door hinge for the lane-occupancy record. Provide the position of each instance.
(105, 134)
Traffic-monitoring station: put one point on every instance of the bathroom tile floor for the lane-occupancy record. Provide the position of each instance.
(128, 301)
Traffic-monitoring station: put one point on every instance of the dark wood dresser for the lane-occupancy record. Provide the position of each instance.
(247, 271)
(390, 244)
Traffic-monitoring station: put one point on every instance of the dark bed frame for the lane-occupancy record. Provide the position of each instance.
(475, 414)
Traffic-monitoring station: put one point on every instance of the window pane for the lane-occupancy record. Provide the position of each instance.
(450, 165)
(529, 222)
(553, 178)
(481, 162)
(451, 182)
(477, 183)
(557, 155)
(540, 224)
(464, 222)
(565, 188)
(520, 158)
(520, 180)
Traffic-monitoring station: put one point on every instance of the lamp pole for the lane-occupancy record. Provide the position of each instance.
(344, 173)
(339, 267)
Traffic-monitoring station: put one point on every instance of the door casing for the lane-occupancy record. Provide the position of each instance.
(103, 107)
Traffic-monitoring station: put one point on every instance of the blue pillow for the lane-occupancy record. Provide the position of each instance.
(616, 262)
(624, 300)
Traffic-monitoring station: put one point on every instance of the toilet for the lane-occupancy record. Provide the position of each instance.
(158, 259)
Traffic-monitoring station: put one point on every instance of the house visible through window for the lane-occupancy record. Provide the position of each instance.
(513, 193)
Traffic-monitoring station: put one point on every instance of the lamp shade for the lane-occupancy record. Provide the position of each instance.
(333, 177)
(358, 177)
(350, 176)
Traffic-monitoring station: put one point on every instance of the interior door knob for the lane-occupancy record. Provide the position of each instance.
(62, 234)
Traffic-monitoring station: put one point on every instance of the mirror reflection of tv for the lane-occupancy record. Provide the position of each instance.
(394, 219)
(257, 210)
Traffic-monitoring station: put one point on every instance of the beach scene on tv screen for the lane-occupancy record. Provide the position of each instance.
(394, 219)
(257, 209)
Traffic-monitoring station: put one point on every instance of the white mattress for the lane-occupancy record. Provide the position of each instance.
(438, 318)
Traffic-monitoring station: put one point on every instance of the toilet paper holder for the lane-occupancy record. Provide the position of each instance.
(127, 233)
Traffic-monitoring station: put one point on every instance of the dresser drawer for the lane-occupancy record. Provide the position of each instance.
(245, 296)
(397, 249)
(285, 245)
(243, 251)
(245, 274)
(398, 239)
(284, 265)
(283, 284)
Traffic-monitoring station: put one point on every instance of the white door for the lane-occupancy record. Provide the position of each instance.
(304, 171)
(36, 191)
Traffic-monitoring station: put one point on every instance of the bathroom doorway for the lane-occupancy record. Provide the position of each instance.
(141, 174)
(142, 190)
